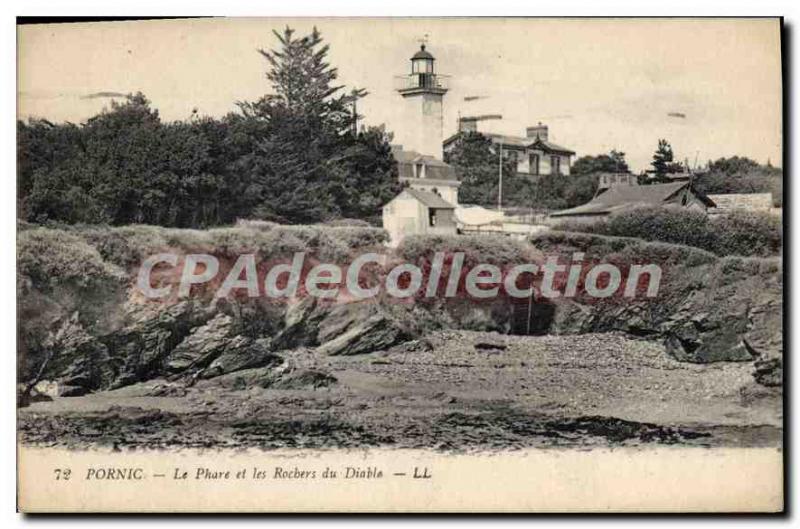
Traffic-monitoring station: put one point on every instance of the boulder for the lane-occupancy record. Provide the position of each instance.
(283, 376)
(301, 324)
(205, 344)
(78, 362)
(151, 332)
(769, 372)
(375, 333)
(255, 354)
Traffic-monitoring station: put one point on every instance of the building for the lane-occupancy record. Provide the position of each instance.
(606, 180)
(624, 197)
(427, 174)
(422, 93)
(761, 202)
(415, 211)
(535, 154)
(428, 203)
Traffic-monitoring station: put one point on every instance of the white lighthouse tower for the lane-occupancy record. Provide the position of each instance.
(423, 93)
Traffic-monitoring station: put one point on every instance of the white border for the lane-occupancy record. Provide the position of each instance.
(788, 8)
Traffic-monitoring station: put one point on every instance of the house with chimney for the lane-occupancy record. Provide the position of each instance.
(535, 155)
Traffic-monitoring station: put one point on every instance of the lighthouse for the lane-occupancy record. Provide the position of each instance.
(427, 205)
(423, 93)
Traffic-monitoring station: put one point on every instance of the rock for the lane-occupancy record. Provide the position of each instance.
(304, 379)
(256, 354)
(705, 348)
(364, 336)
(301, 324)
(482, 346)
(26, 398)
(79, 361)
(769, 372)
(284, 376)
(753, 393)
(205, 344)
(413, 346)
(168, 389)
(150, 334)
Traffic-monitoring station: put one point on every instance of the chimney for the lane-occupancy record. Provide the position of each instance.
(467, 125)
(537, 131)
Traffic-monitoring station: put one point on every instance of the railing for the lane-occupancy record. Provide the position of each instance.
(421, 80)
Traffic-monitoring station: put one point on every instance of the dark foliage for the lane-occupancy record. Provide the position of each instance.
(734, 233)
(292, 156)
(476, 162)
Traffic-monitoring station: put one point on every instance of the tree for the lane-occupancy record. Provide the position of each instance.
(310, 166)
(291, 156)
(475, 159)
(663, 163)
(741, 175)
(613, 162)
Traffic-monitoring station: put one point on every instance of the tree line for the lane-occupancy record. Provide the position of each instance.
(292, 156)
(475, 159)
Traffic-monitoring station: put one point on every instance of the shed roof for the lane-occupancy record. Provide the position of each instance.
(429, 199)
(624, 196)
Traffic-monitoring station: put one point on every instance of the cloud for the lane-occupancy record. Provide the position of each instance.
(100, 95)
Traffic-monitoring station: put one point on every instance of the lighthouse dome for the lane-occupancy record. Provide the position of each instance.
(422, 54)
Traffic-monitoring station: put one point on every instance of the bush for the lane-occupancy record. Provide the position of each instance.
(747, 233)
(52, 258)
(125, 246)
(623, 249)
(500, 251)
(734, 233)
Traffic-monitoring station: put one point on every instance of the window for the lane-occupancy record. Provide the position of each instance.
(420, 170)
(533, 159)
(555, 165)
(432, 217)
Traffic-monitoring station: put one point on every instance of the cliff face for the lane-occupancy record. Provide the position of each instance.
(88, 331)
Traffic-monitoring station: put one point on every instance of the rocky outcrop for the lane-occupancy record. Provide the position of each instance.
(150, 335)
(239, 356)
(77, 361)
(708, 309)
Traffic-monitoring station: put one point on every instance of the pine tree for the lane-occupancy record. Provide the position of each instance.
(662, 159)
(310, 157)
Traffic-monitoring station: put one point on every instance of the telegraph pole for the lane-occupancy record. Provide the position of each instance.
(500, 178)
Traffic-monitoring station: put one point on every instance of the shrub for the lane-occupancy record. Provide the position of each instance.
(124, 246)
(664, 224)
(51, 258)
(734, 233)
(499, 251)
(622, 249)
(747, 233)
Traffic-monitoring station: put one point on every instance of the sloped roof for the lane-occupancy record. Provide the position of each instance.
(513, 141)
(520, 142)
(429, 199)
(552, 147)
(434, 168)
(625, 196)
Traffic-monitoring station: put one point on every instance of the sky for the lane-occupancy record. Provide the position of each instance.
(711, 87)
